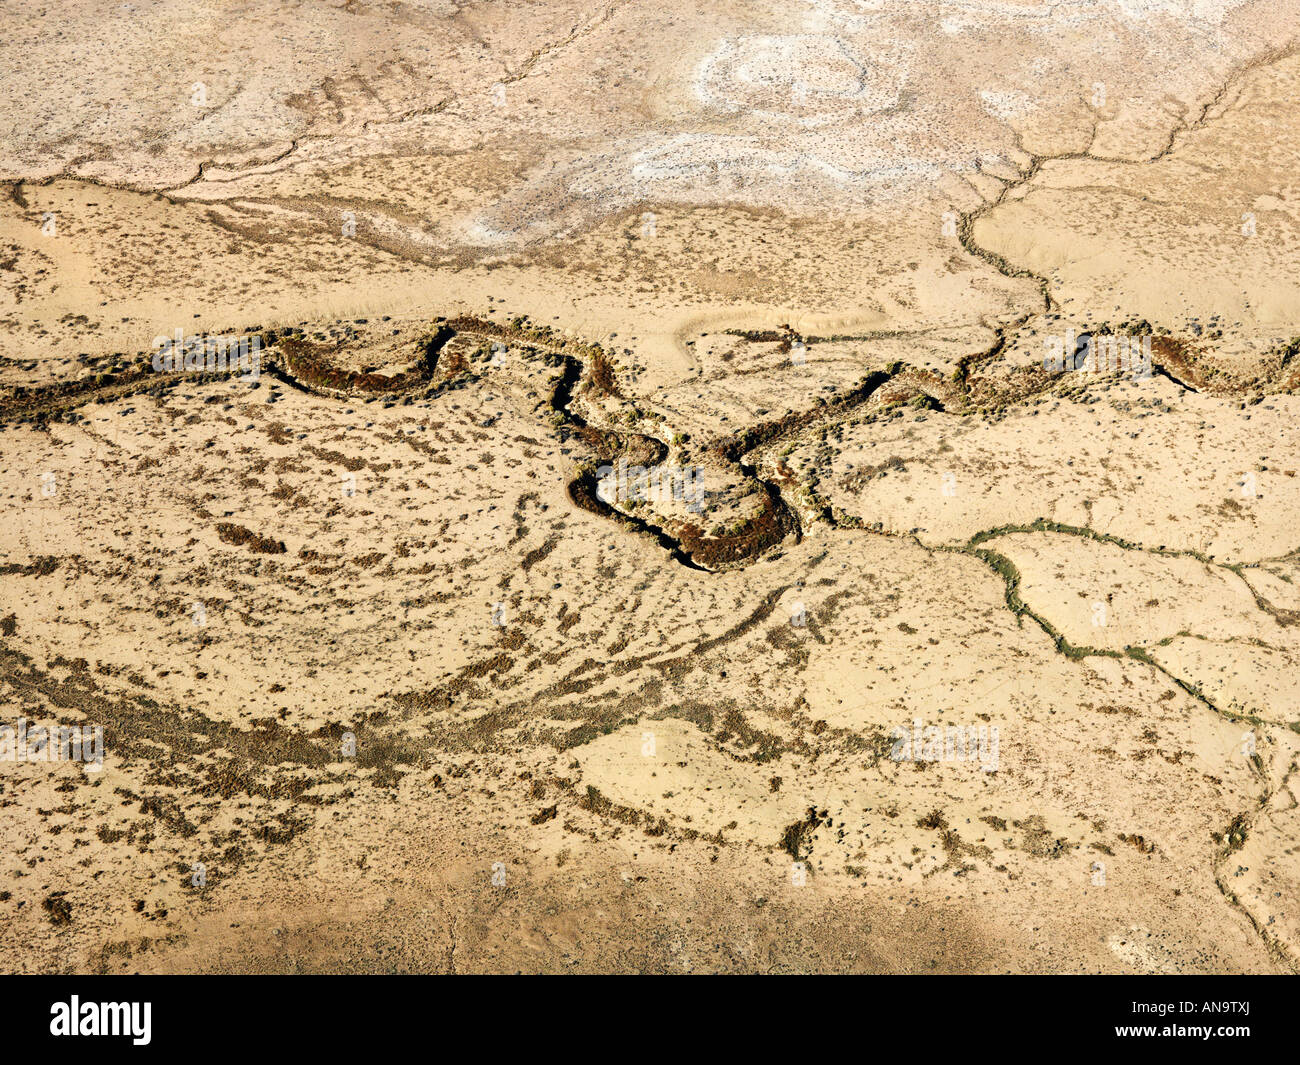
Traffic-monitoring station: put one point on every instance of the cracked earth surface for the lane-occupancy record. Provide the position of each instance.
(453, 707)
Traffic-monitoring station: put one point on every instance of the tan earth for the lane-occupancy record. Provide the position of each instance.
(647, 531)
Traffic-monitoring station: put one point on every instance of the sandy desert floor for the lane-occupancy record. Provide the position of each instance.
(946, 660)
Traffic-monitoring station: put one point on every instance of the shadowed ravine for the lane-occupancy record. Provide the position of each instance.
(787, 506)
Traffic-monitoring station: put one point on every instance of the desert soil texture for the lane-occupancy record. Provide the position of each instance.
(774, 486)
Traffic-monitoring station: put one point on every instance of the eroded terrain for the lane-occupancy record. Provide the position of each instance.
(648, 536)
